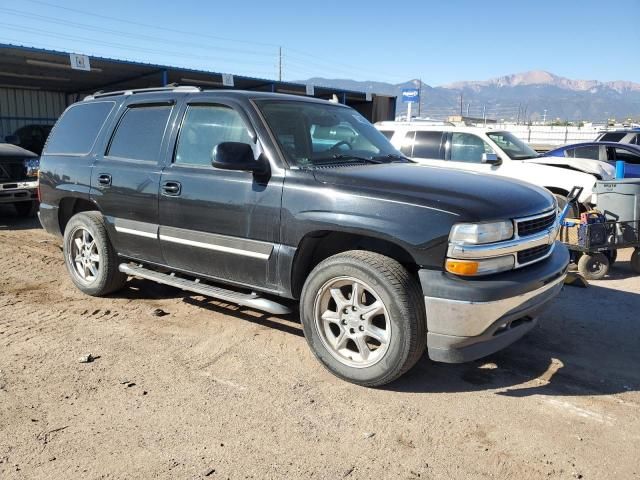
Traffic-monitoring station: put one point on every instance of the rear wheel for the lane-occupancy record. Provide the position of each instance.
(635, 260)
(363, 317)
(26, 209)
(593, 266)
(89, 256)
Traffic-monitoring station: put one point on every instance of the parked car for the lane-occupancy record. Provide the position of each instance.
(604, 151)
(228, 194)
(496, 152)
(30, 137)
(630, 135)
(19, 179)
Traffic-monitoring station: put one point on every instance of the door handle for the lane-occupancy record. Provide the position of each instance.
(104, 179)
(171, 188)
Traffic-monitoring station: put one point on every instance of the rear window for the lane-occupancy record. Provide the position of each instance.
(77, 129)
(139, 133)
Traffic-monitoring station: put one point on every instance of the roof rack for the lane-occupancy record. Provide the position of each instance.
(174, 88)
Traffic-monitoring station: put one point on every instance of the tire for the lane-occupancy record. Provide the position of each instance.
(97, 272)
(593, 266)
(573, 212)
(339, 336)
(635, 260)
(26, 209)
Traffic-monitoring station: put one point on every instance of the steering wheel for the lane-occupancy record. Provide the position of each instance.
(336, 147)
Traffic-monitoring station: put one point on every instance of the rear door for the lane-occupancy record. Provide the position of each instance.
(218, 223)
(126, 176)
(428, 147)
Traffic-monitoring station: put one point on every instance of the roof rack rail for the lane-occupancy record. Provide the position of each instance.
(175, 88)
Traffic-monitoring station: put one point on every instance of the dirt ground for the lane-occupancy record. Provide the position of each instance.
(213, 391)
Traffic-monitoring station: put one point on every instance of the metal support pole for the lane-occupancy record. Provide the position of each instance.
(409, 112)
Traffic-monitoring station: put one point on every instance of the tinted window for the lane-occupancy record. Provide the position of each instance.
(589, 151)
(612, 137)
(636, 140)
(427, 145)
(627, 156)
(407, 144)
(139, 133)
(316, 133)
(387, 133)
(77, 129)
(204, 127)
(469, 148)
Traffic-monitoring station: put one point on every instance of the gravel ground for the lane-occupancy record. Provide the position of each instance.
(209, 390)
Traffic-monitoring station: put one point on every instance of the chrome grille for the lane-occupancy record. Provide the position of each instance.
(532, 254)
(535, 225)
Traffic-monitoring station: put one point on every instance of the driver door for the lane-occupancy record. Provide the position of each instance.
(465, 151)
(218, 223)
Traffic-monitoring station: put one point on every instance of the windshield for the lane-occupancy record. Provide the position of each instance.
(314, 133)
(513, 146)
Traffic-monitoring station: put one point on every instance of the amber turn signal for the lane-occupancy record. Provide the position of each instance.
(462, 267)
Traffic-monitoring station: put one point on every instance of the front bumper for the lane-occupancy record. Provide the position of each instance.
(471, 318)
(20, 191)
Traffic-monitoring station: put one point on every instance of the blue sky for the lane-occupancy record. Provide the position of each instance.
(439, 42)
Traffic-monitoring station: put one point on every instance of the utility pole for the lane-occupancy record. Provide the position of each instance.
(280, 64)
(544, 117)
(484, 116)
(460, 104)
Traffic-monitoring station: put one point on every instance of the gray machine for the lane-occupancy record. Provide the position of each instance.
(619, 200)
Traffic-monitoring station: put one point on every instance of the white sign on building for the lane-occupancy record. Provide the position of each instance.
(79, 62)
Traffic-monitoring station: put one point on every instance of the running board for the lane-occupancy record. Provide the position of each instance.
(252, 300)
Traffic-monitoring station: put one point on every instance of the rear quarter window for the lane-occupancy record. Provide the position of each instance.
(77, 130)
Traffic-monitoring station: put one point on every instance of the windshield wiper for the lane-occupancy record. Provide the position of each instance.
(394, 158)
(341, 156)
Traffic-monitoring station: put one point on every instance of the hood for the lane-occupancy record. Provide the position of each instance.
(470, 196)
(595, 167)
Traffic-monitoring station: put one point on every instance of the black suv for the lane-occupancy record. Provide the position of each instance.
(256, 198)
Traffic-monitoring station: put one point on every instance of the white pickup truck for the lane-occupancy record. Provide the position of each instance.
(497, 152)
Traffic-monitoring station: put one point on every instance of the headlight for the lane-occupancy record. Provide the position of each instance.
(480, 267)
(475, 233)
(32, 166)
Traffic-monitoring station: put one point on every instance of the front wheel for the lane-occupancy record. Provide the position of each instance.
(89, 256)
(363, 317)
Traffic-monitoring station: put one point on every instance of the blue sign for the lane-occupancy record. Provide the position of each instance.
(410, 95)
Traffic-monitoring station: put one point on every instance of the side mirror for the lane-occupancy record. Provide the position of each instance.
(491, 159)
(238, 156)
(14, 139)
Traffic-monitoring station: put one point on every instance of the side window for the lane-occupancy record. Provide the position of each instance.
(204, 127)
(636, 140)
(387, 133)
(77, 129)
(466, 147)
(428, 145)
(589, 151)
(612, 137)
(627, 156)
(407, 144)
(139, 133)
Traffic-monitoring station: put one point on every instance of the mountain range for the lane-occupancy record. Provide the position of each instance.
(524, 96)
